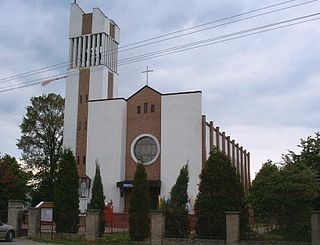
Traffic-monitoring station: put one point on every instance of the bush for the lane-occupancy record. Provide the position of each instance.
(220, 190)
(176, 214)
(66, 195)
(97, 200)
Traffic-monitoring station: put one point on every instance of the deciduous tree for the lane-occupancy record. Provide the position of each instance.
(286, 194)
(13, 181)
(41, 142)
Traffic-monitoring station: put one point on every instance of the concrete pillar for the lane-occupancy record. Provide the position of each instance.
(204, 140)
(218, 138)
(233, 153)
(15, 208)
(232, 228)
(245, 171)
(211, 136)
(249, 178)
(92, 224)
(224, 142)
(157, 227)
(315, 228)
(34, 224)
(238, 160)
(228, 148)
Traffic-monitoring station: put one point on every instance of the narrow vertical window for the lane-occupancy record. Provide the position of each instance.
(79, 126)
(138, 109)
(145, 107)
(84, 160)
(153, 108)
(85, 125)
(87, 98)
(80, 99)
(78, 160)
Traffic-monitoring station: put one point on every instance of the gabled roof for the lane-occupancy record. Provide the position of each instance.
(146, 86)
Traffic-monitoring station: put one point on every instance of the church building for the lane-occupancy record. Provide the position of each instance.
(163, 131)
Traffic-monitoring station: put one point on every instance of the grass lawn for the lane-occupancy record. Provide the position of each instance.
(77, 242)
(114, 239)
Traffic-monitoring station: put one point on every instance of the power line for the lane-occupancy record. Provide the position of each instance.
(223, 24)
(213, 39)
(61, 65)
(188, 46)
(221, 41)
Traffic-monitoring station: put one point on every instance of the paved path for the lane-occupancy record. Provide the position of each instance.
(21, 242)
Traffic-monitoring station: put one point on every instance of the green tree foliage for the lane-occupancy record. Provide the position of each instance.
(220, 191)
(285, 194)
(13, 181)
(41, 142)
(262, 193)
(176, 214)
(66, 194)
(139, 206)
(97, 200)
(310, 157)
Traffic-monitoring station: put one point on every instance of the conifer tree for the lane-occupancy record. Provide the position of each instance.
(97, 200)
(66, 195)
(176, 220)
(139, 206)
(220, 191)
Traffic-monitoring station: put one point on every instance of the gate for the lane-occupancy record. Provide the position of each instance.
(23, 223)
(4, 216)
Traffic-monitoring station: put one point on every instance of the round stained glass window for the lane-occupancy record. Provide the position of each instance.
(145, 149)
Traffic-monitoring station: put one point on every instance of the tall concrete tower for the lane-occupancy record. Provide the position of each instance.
(92, 75)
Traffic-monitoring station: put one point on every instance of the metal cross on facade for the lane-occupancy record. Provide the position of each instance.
(147, 71)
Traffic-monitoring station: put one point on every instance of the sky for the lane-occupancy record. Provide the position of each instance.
(262, 90)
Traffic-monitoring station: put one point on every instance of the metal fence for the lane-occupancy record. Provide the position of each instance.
(187, 226)
(117, 229)
(276, 232)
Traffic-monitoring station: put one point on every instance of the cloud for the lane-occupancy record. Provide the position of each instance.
(262, 89)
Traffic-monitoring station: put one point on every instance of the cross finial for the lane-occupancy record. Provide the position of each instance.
(147, 71)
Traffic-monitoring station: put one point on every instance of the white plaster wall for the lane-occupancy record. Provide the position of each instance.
(75, 24)
(117, 34)
(71, 110)
(181, 139)
(98, 85)
(106, 143)
(115, 85)
(100, 23)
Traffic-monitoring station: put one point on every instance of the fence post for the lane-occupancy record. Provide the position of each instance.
(34, 222)
(157, 227)
(15, 208)
(232, 228)
(315, 228)
(92, 224)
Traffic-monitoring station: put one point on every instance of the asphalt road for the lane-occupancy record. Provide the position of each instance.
(21, 242)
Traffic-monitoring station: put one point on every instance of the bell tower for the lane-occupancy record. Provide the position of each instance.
(92, 74)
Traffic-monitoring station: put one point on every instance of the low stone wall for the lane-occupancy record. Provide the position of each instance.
(182, 241)
(62, 236)
(273, 243)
